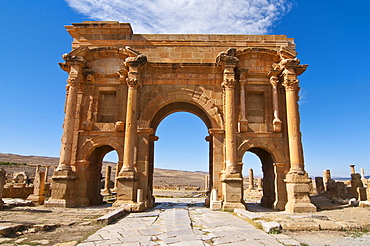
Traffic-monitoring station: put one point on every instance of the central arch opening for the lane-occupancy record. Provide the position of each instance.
(181, 159)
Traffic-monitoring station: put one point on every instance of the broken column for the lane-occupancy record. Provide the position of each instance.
(38, 189)
(326, 177)
(320, 189)
(259, 184)
(356, 183)
(2, 183)
(362, 171)
(352, 169)
(342, 191)
(250, 179)
(331, 189)
(46, 173)
(107, 190)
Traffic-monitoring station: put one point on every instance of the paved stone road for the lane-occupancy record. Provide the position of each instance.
(185, 222)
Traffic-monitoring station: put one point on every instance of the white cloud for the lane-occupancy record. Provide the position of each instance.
(187, 16)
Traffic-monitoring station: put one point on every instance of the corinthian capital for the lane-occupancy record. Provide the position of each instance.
(274, 79)
(291, 84)
(73, 81)
(228, 84)
(132, 82)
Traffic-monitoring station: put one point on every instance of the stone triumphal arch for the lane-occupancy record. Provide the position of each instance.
(121, 85)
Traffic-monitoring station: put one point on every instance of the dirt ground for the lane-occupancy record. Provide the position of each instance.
(41, 225)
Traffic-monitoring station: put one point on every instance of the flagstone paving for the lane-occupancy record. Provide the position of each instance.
(184, 222)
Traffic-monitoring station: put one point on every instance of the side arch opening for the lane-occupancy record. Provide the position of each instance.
(94, 176)
(266, 174)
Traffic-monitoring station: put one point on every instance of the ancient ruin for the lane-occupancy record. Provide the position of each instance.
(122, 85)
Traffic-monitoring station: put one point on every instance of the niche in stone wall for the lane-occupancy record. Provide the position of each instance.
(107, 107)
(256, 111)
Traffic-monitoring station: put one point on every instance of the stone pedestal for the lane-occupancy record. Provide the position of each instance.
(63, 192)
(232, 190)
(320, 189)
(298, 193)
(38, 189)
(126, 192)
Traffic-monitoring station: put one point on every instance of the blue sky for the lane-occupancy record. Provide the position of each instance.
(331, 36)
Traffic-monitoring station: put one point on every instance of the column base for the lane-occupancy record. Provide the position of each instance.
(131, 206)
(126, 188)
(232, 191)
(216, 205)
(106, 192)
(298, 193)
(63, 190)
(38, 199)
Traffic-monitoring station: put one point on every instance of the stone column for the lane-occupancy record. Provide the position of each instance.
(326, 178)
(126, 190)
(38, 189)
(362, 172)
(297, 179)
(74, 80)
(46, 173)
(2, 183)
(64, 178)
(107, 190)
(259, 184)
(232, 187)
(229, 114)
(274, 80)
(352, 169)
(250, 179)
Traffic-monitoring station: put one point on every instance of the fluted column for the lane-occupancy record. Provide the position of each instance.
(274, 80)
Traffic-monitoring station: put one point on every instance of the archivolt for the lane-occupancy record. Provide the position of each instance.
(91, 144)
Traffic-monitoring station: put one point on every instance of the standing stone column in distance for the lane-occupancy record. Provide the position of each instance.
(362, 172)
(107, 190)
(38, 189)
(352, 169)
(250, 179)
(326, 178)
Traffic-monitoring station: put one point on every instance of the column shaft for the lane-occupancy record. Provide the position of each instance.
(69, 124)
(131, 130)
(294, 134)
(230, 139)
